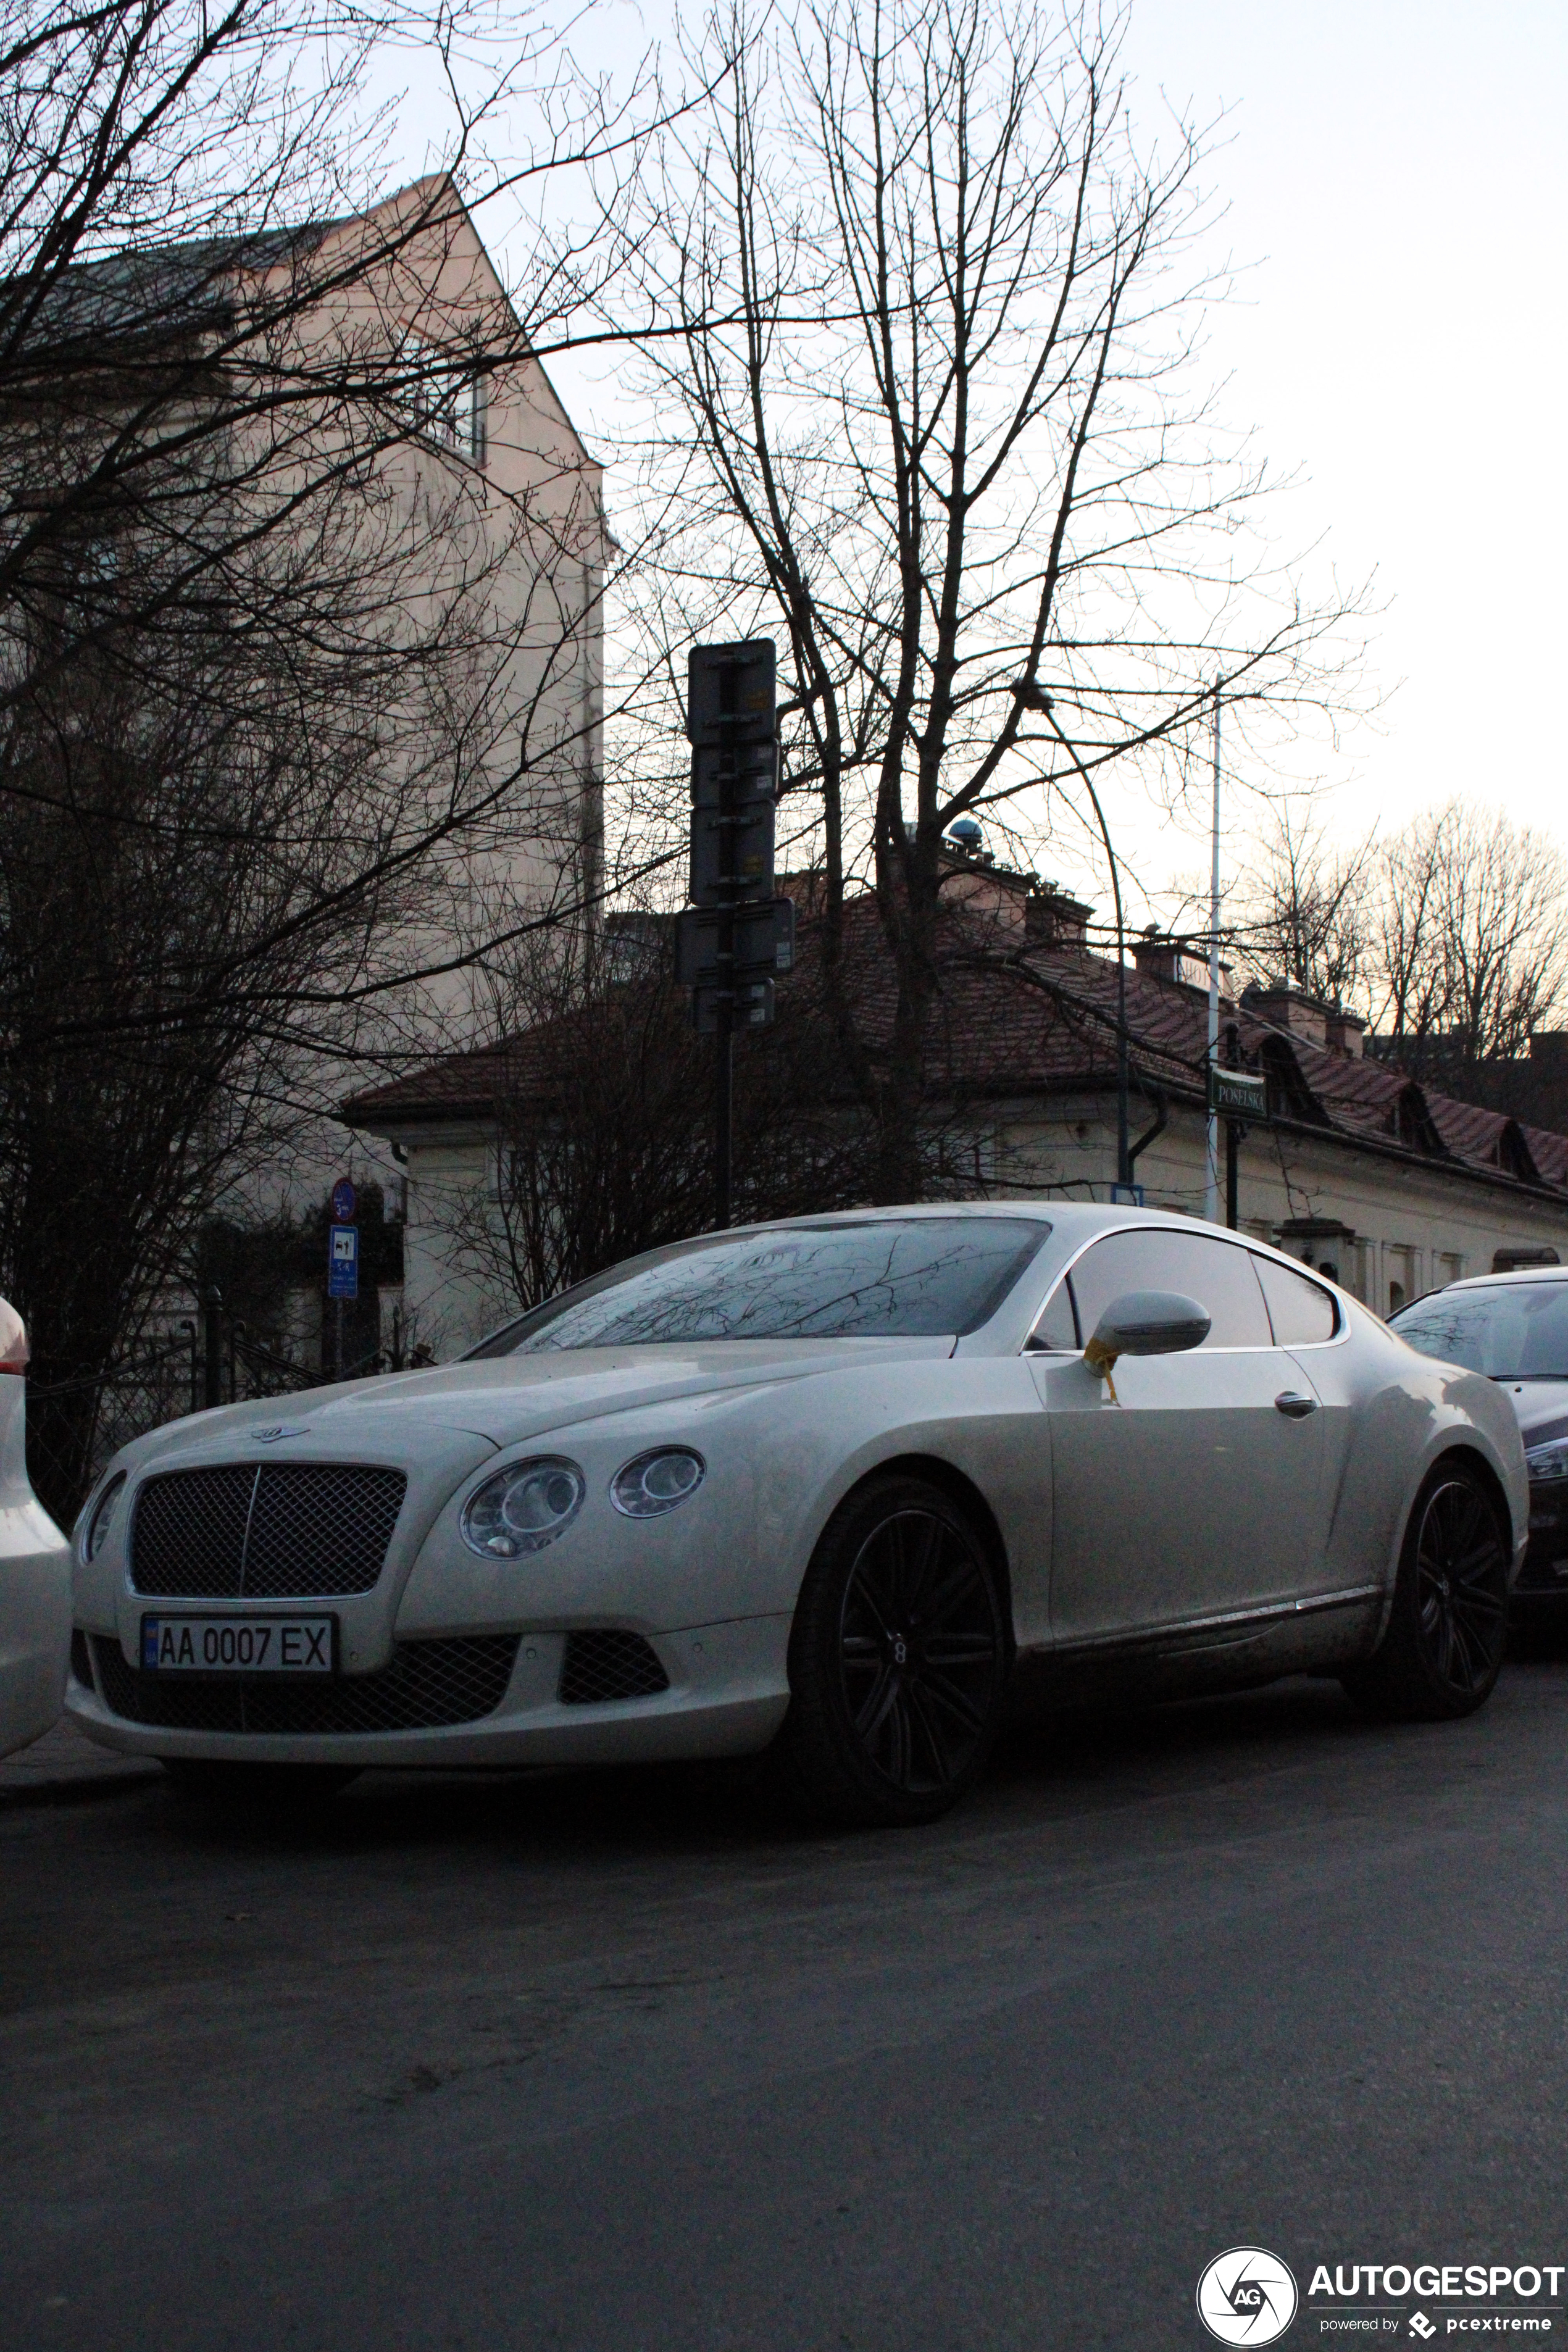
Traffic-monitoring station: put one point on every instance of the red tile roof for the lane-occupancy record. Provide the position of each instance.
(1014, 1018)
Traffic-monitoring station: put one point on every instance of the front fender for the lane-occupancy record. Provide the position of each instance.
(780, 1458)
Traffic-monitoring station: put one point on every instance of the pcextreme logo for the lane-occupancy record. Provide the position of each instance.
(1247, 2296)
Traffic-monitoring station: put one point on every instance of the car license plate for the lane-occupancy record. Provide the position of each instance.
(238, 1646)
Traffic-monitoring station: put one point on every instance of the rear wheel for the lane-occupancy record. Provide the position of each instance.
(898, 1659)
(290, 1787)
(1444, 1646)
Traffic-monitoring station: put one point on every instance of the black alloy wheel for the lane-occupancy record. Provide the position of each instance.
(1441, 1653)
(1461, 1568)
(898, 1659)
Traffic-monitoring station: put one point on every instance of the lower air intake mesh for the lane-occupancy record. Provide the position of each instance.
(609, 1664)
(425, 1683)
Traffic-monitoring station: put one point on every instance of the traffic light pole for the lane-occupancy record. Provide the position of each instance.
(724, 1111)
(724, 1036)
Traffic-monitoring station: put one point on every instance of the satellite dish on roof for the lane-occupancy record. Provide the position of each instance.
(965, 835)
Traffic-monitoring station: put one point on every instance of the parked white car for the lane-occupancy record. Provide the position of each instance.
(34, 1568)
(1513, 1327)
(815, 1486)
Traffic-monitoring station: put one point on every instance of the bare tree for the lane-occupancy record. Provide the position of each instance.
(1307, 912)
(603, 1104)
(1451, 938)
(604, 1139)
(298, 717)
(1472, 952)
(945, 449)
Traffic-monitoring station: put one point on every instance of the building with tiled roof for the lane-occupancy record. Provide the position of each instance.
(1390, 1186)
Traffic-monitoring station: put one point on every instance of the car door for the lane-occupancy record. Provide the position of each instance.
(1193, 1491)
(1308, 1323)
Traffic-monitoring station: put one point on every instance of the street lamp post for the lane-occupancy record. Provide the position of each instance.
(1033, 696)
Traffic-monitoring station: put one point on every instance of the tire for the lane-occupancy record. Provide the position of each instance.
(1443, 1645)
(898, 1660)
(258, 1788)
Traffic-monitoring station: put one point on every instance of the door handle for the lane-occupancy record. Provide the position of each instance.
(1294, 1407)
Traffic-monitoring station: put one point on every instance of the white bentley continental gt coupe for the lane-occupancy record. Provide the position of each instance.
(817, 1488)
(35, 1567)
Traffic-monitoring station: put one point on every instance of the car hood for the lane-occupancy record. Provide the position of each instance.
(508, 1399)
(1541, 1407)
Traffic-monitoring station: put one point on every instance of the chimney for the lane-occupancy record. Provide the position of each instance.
(1158, 956)
(1285, 1006)
(1343, 1033)
(1053, 919)
(1155, 955)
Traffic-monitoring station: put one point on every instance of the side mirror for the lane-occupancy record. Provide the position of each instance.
(1145, 1323)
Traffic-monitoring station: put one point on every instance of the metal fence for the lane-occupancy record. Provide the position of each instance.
(207, 1359)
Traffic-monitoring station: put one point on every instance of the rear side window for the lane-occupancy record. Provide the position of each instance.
(1302, 1313)
(1217, 1274)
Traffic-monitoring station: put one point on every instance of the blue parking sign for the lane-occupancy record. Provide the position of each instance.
(342, 1262)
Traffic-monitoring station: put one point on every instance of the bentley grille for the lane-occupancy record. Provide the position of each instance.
(283, 1530)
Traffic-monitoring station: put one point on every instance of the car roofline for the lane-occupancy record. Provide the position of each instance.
(1512, 1274)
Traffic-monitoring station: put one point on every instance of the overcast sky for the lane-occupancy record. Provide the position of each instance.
(1393, 173)
(1396, 169)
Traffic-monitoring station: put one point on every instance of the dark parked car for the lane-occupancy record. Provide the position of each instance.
(1515, 1328)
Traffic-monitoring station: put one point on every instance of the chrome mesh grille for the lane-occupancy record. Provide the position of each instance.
(187, 1539)
(318, 1528)
(609, 1664)
(281, 1531)
(425, 1683)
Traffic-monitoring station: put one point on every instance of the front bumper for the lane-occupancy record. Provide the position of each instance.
(1543, 1578)
(729, 1688)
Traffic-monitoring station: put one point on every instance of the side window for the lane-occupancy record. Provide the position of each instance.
(1054, 1332)
(1303, 1313)
(1217, 1274)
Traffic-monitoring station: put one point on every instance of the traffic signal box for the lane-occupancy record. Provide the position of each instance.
(735, 936)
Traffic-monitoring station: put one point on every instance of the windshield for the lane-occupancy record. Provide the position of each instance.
(876, 1279)
(1510, 1330)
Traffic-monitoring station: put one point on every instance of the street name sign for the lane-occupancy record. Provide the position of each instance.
(1240, 1094)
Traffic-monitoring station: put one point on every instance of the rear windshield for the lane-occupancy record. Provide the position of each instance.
(876, 1279)
(1510, 1330)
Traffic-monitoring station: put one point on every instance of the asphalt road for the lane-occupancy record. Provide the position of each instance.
(599, 2062)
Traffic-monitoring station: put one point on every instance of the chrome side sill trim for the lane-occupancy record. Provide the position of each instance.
(1182, 1629)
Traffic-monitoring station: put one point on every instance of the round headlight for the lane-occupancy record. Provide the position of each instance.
(521, 1509)
(656, 1482)
(102, 1519)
